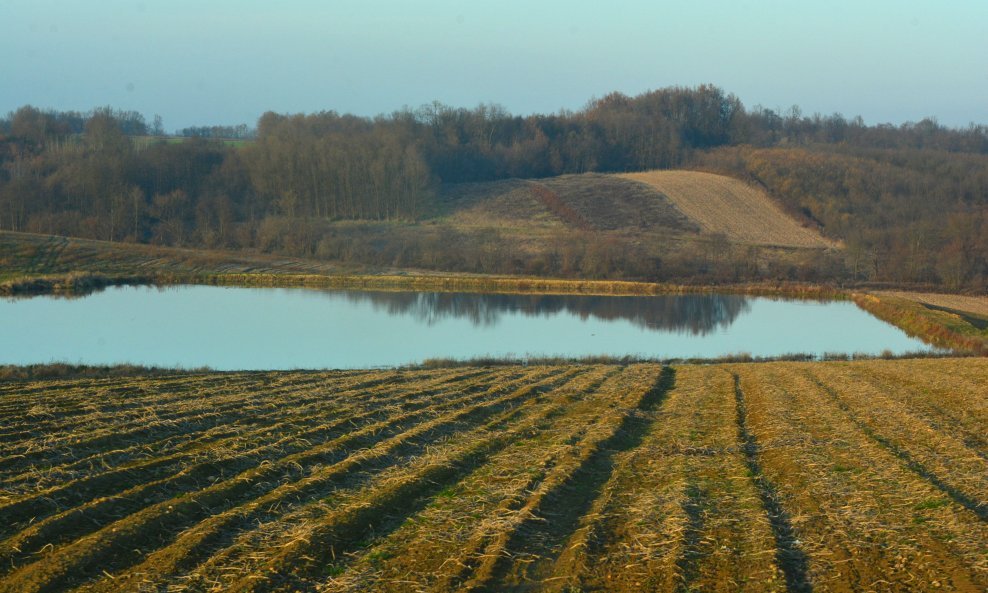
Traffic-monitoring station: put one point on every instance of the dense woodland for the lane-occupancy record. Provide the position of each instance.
(910, 202)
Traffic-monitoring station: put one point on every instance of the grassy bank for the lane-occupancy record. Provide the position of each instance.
(75, 283)
(84, 282)
(516, 285)
(41, 264)
(938, 327)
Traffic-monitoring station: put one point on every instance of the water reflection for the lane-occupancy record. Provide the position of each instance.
(247, 328)
(696, 315)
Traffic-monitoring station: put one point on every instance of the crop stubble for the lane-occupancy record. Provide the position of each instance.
(758, 477)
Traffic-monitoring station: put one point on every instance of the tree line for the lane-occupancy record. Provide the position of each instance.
(903, 198)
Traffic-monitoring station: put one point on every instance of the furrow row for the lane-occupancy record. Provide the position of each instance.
(296, 415)
(863, 518)
(98, 500)
(113, 546)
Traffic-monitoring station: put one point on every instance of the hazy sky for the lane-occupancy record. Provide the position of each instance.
(198, 62)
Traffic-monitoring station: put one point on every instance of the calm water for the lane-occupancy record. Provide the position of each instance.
(265, 328)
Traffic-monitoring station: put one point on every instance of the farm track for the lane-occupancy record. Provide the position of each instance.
(781, 477)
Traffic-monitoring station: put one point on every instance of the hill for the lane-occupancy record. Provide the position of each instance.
(589, 225)
(588, 202)
(677, 204)
(908, 201)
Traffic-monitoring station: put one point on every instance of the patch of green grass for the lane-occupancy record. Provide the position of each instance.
(335, 570)
(378, 556)
(930, 504)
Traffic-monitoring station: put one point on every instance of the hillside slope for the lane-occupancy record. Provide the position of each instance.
(588, 202)
(720, 204)
(674, 204)
(571, 226)
(29, 255)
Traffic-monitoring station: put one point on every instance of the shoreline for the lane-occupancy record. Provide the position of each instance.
(64, 370)
(938, 328)
(81, 283)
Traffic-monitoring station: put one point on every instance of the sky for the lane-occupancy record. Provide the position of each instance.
(209, 62)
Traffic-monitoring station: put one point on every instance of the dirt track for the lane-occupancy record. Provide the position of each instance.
(971, 304)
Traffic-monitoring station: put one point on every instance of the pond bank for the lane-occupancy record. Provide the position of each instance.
(83, 282)
(935, 327)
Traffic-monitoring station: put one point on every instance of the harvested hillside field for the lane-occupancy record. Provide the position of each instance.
(610, 203)
(581, 202)
(496, 203)
(844, 476)
(723, 205)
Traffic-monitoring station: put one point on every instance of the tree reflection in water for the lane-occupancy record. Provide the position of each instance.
(694, 314)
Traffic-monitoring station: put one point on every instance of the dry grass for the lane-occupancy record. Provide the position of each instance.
(727, 206)
(680, 511)
(79, 265)
(866, 518)
(587, 202)
(508, 203)
(842, 476)
(956, 331)
(27, 255)
(969, 304)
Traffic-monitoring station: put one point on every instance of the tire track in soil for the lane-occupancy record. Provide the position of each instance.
(346, 531)
(173, 406)
(788, 555)
(112, 548)
(466, 556)
(86, 518)
(938, 419)
(688, 562)
(229, 419)
(126, 483)
(219, 431)
(207, 541)
(445, 568)
(979, 509)
(556, 519)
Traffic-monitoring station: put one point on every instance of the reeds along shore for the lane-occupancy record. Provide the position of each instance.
(83, 282)
(918, 321)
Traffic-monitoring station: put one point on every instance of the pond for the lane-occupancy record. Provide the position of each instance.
(274, 328)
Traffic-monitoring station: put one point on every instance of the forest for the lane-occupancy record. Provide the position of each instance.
(908, 202)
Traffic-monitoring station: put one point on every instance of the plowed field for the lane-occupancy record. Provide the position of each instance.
(858, 476)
